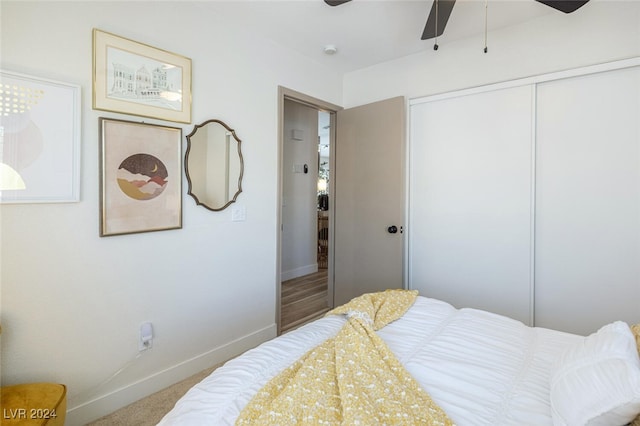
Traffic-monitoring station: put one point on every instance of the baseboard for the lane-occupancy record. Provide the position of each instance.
(106, 404)
(299, 272)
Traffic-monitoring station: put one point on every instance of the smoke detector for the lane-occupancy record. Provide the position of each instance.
(330, 49)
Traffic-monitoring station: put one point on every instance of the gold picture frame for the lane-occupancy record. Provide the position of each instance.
(140, 177)
(138, 79)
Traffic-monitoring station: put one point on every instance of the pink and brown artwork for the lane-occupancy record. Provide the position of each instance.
(142, 176)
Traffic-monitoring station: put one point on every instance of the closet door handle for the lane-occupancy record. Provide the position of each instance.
(392, 229)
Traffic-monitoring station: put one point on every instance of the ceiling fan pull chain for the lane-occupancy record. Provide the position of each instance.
(486, 14)
(435, 46)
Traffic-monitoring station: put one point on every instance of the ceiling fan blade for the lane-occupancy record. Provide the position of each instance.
(444, 11)
(336, 2)
(566, 6)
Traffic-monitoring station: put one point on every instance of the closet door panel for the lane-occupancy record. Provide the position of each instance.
(470, 192)
(588, 201)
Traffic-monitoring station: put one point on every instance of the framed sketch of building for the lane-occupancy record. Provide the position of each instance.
(138, 79)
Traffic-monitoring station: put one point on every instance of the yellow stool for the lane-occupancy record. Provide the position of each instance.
(33, 404)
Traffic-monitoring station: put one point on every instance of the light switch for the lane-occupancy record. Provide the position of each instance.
(238, 214)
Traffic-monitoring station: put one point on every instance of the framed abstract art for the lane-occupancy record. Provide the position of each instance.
(140, 177)
(39, 140)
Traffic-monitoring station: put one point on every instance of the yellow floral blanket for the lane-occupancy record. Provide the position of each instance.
(351, 379)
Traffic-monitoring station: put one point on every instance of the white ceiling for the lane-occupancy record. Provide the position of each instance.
(367, 32)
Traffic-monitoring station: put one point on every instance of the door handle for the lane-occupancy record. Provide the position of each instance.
(394, 229)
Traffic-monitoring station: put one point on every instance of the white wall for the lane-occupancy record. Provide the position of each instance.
(601, 31)
(299, 191)
(72, 302)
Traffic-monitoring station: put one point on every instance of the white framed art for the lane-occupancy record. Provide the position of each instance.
(39, 140)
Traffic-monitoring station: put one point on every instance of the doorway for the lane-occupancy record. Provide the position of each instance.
(365, 233)
(305, 264)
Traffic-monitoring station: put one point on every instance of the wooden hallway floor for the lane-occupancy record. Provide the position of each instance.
(303, 299)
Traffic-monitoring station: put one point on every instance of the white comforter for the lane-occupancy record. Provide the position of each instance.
(481, 368)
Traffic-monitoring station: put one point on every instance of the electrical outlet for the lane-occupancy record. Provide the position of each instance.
(146, 337)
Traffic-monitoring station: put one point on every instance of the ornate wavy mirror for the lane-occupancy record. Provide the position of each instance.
(213, 164)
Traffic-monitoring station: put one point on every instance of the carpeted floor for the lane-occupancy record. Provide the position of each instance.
(150, 410)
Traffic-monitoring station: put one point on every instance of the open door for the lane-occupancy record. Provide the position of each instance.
(369, 199)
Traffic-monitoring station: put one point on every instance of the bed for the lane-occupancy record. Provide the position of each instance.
(480, 368)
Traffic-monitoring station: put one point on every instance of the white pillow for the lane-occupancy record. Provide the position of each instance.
(597, 380)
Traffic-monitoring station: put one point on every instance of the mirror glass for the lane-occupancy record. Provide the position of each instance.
(214, 165)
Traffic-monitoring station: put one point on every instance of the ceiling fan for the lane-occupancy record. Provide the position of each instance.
(441, 10)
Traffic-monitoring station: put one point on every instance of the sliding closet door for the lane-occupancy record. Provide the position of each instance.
(471, 200)
(588, 201)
